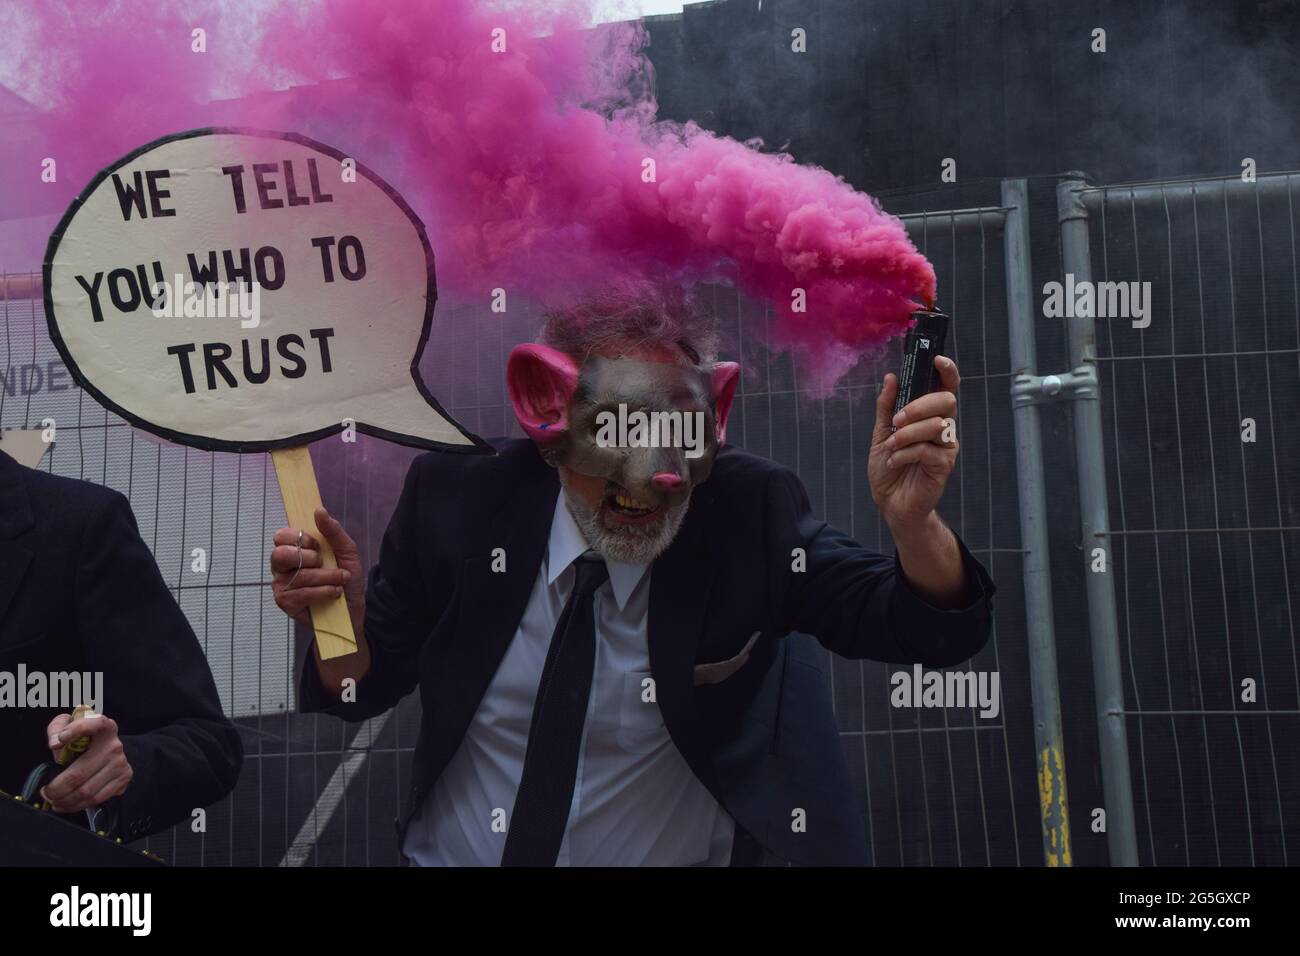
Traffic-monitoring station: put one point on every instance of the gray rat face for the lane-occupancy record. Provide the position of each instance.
(645, 426)
(632, 436)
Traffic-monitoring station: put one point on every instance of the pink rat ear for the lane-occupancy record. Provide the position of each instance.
(726, 376)
(541, 382)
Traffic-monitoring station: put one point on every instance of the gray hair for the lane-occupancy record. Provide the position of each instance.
(630, 315)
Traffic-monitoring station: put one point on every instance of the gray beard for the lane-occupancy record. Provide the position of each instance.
(629, 544)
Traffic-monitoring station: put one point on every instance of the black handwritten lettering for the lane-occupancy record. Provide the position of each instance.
(323, 243)
(289, 188)
(282, 346)
(353, 270)
(244, 272)
(156, 195)
(203, 276)
(130, 197)
(92, 291)
(264, 187)
(316, 194)
(215, 355)
(182, 353)
(265, 277)
(358, 270)
(322, 336)
(252, 359)
(125, 302)
(261, 375)
(236, 174)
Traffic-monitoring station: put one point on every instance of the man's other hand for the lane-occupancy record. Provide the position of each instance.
(100, 773)
(297, 590)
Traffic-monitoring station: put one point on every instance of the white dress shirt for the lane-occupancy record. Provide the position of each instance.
(636, 801)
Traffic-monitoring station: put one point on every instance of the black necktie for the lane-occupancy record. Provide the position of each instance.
(545, 794)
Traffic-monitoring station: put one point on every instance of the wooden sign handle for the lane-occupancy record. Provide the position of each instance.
(27, 446)
(298, 488)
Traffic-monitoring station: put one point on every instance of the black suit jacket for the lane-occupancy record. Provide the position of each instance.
(79, 591)
(764, 740)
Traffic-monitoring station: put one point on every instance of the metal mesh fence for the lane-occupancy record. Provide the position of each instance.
(1205, 525)
(1201, 415)
(936, 788)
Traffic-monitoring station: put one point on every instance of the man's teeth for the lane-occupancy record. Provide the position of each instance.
(623, 501)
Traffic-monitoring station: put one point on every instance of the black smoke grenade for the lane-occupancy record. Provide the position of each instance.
(924, 340)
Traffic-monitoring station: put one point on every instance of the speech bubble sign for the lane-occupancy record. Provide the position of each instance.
(338, 283)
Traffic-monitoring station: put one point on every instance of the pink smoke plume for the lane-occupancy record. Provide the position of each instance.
(528, 143)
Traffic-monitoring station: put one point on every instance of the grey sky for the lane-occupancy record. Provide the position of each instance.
(645, 8)
(14, 33)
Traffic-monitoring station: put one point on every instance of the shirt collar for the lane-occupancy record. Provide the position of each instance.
(568, 544)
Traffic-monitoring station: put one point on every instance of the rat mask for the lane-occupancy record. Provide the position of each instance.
(632, 437)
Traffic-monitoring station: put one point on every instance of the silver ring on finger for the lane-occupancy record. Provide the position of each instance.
(299, 569)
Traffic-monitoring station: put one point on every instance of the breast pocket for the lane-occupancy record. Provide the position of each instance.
(640, 724)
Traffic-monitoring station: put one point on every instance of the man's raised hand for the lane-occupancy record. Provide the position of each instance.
(913, 452)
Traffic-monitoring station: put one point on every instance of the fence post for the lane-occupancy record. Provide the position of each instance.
(1049, 746)
(1103, 623)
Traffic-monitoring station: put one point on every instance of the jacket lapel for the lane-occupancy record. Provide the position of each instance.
(521, 525)
(679, 595)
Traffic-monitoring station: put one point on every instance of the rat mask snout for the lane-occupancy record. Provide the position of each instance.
(655, 475)
(667, 481)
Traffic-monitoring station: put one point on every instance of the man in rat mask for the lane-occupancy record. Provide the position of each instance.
(605, 618)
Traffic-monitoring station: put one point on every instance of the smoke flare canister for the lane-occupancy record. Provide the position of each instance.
(924, 340)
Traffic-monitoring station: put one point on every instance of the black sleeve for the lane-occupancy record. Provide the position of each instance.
(158, 687)
(399, 616)
(857, 602)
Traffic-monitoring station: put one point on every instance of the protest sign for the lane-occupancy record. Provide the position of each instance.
(240, 290)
